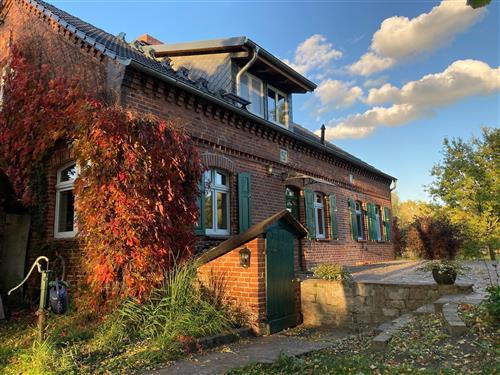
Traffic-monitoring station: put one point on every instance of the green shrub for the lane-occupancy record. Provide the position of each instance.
(332, 272)
(42, 358)
(491, 304)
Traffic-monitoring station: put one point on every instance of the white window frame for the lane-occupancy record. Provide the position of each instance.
(60, 188)
(276, 91)
(378, 223)
(359, 214)
(214, 189)
(250, 80)
(317, 207)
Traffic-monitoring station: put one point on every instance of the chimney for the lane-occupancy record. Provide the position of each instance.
(149, 40)
(323, 128)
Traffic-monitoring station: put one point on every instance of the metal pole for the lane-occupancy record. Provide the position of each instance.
(42, 314)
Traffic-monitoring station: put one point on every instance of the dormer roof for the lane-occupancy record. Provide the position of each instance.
(267, 65)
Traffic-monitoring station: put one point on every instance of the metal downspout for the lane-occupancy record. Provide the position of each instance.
(245, 68)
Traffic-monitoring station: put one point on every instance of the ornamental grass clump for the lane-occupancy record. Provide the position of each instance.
(175, 312)
(334, 272)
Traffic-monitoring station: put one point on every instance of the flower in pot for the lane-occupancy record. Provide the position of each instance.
(437, 240)
(444, 271)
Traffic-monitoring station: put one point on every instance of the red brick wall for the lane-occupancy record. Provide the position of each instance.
(251, 149)
(244, 287)
(249, 146)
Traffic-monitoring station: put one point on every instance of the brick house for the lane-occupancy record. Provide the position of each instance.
(234, 99)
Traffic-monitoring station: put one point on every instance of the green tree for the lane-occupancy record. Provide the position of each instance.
(467, 182)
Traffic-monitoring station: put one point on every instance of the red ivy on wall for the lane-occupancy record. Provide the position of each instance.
(136, 192)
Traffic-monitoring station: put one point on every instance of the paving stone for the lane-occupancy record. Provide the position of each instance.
(426, 309)
(455, 324)
(380, 342)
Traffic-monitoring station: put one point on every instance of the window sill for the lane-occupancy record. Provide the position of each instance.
(215, 236)
(64, 238)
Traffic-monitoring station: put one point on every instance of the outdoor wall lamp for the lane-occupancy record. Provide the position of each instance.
(245, 257)
(269, 170)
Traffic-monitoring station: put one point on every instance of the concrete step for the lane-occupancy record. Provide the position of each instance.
(451, 298)
(387, 330)
(425, 309)
(455, 324)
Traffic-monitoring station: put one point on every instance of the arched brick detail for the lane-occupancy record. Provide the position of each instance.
(211, 160)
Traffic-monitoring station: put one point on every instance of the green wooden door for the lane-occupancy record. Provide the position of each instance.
(280, 288)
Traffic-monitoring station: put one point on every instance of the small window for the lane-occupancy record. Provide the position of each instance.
(283, 155)
(216, 210)
(277, 106)
(359, 220)
(319, 215)
(378, 230)
(65, 202)
(292, 201)
(252, 89)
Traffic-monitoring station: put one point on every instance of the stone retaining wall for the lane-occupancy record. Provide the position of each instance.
(351, 304)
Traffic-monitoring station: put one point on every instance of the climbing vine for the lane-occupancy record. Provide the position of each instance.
(137, 185)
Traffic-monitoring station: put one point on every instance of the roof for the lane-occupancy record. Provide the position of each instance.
(136, 56)
(251, 233)
(301, 83)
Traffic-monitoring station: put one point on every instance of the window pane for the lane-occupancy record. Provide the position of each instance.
(68, 174)
(256, 96)
(281, 108)
(222, 222)
(318, 199)
(321, 228)
(66, 212)
(220, 179)
(290, 192)
(244, 90)
(208, 210)
(207, 176)
(271, 104)
(360, 225)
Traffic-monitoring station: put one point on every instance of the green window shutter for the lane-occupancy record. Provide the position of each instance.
(310, 221)
(332, 199)
(370, 208)
(387, 223)
(244, 193)
(200, 203)
(352, 217)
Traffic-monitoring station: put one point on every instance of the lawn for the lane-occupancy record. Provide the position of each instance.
(134, 336)
(423, 347)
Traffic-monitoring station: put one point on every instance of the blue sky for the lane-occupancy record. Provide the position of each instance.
(457, 48)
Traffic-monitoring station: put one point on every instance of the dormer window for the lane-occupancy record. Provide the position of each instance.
(252, 89)
(276, 106)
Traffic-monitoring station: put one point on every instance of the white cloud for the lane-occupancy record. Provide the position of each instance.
(418, 99)
(461, 79)
(371, 63)
(400, 38)
(313, 53)
(337, 93)
(376, 82)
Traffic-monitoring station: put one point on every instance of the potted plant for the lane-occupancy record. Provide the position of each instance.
(437, 240)
(444, 271)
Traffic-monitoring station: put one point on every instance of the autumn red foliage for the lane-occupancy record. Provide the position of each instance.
(137, 185)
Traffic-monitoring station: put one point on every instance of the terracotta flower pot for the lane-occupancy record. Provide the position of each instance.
(447, 277)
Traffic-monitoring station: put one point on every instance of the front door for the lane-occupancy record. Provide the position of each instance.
(280, 288)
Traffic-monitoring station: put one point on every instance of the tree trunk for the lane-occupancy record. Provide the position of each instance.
(492, 253)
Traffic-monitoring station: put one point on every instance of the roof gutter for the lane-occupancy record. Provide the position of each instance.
(193, 90)
(247, 66)
(309, 85)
